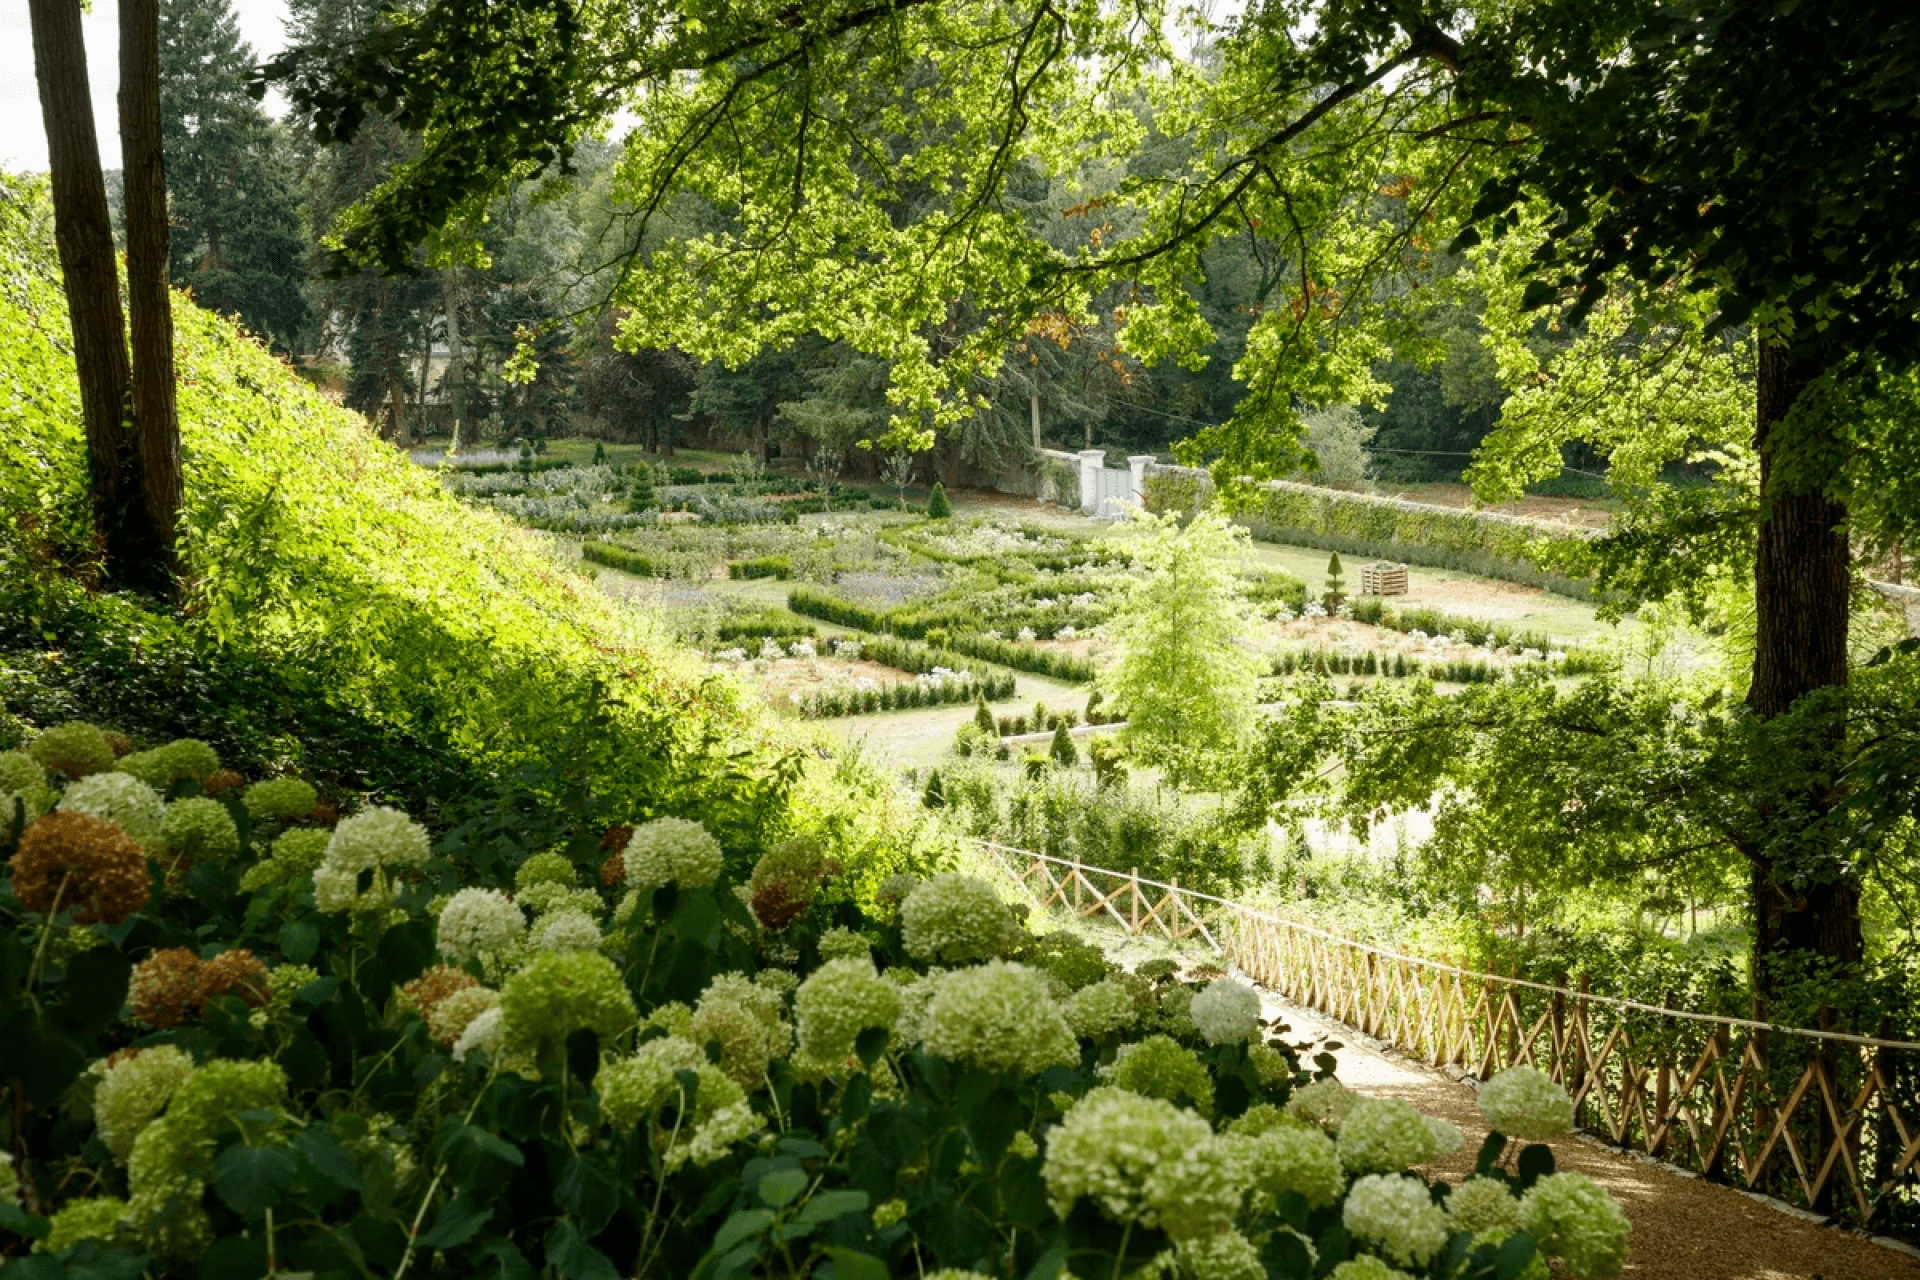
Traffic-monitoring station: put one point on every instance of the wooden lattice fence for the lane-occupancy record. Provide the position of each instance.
(1823, 1120)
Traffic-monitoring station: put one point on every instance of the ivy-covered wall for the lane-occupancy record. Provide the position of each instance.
(1482, 542)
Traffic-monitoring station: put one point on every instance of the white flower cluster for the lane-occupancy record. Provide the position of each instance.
(126, 802)
(1226, 1012)
(672, 851)
(1025, 635)
(802, 649)
(636, 1089)
(729, 655)
(1396, 1215)
(1571, 1217)
(956, 919)
(1525, 1103)
(770, 650)
(998, 1017)
(1142, 1160)
(1225, 1255)
(1323, 1102)
(944, 675)
(377, 839)
(1100, 1009)
(846, 649)
(836, 1003)
(1386, 1135)
(477, 923)
(1485, 1207)
(567, 931)
(1067, 632)
(1313, 609)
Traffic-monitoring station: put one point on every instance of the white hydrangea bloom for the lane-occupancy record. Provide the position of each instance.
(568, 931)
(836, 1003)
(1286, 1160)
(1097, 1010)
(998, 1017)
(481, 922)
(377, 839)
(1386, 1135)
(1225, 1011)
(1367, 1268)
(125, 801)
(672, 851)
(1525, 1103)
(1223, 1255)
(1571, 1217)
(1025, 635)
(1395, 1216)
(1323, 1102)
(1142, 1160)
(956, 919)
(1485, 1207)
(483, 1035)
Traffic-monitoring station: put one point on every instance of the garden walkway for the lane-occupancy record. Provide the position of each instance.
(1684, 1228)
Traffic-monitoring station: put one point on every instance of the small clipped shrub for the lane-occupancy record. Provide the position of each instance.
(1062, 750)
(938, 507)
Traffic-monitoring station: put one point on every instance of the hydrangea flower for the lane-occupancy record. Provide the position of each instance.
(163, 766)
(1394, 1215)
(283, 798)
(75, 749)
(998, 1017)
(844, 944)
(483, 1035)
(547, 898)
(672, 851)
(837, 1002)
(956, 919)
(558, 993)
(1141, 1160)
(126, 802)
(1366, 1268)
(75, 861)
(674, 1018)
(1525, 1103)
(1225, 1011)
(1160, 1067)
(200, 829)
(1223, 1255)
(1571, 1217)
(477, 923)
(9, 1180)
(20, 772)
(638, 1089)
(101, 1218)
(133, 1091)
(377, 839)
(294, 854)
(1386, 1135)
(1101, 1009)
(567, 931)
(1286, 1160)
(544, 868)
(1273, 1067)
(747, 1020)
(1323, 1102)
(163, 1179)
(449, 1019)
(1485, 1207)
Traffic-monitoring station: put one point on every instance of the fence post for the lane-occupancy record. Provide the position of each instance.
(1133, 912)
(1075, 884)
(1663, 1083)
(1580, 1036)
(1558, 1003)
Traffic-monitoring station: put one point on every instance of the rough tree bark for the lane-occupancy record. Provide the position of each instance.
(85, 241)
(149, 300)
(1801, 578)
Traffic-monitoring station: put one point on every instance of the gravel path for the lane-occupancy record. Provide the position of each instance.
(1684, 1228)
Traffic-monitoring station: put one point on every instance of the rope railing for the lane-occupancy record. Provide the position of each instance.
(1823, 1119)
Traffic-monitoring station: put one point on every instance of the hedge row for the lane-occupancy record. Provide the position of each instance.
(768, 624)
(1055, 664)
(1481, 542)
(902, 695)
(623, 559)
(1396, 666)
(916, 624)
(761, 567)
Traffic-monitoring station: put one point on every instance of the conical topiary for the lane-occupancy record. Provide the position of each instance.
(983, 716)
(1062, 749)
(640, 495)
(1336, 586)
(935, 796)
(938, 508)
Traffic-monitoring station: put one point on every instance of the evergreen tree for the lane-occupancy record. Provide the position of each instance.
(1062, 749)
(640, 495)
(938, 508)
(935, 796)
(1336, 582)
(983, 716)
(237, 239)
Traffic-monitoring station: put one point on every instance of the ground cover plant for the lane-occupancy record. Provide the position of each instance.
(272, 1035)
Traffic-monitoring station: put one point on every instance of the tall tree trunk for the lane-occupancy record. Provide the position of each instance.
(760, 434)
(397, 407)
(1801, 614)
(1033, 401)
(85, 241)
(454, 379)
(149, 300)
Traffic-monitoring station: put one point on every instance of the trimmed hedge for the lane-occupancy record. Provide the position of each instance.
(761, 567)
(767, 624)
(623, 559)
(915, 624)
(1482, 542)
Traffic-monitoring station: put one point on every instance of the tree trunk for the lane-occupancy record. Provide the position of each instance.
(454, 379)
(397, 407)
(1033, 400)
(85, 241)
(1800, 645)
(149, 300)
(760, 434)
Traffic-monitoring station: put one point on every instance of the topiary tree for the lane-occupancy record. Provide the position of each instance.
(1336, 582)
(983, 716)
(640, 495)
(1062, 748)
(1109, 768)
(938, 508)
(935, 795)
(599, 453)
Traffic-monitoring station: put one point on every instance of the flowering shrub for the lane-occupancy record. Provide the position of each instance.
(681, 1090)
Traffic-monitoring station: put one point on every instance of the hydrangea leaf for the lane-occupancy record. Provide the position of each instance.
(455, 1223)
(250, 1179)
(782, 1187)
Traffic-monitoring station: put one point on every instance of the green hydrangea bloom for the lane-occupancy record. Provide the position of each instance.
(1073, 960)
(9, 1180)
(223, 1089)
(134, 1091)
(1324, 1103)
(1367, 1268)
(127, 802)
(546, 898)
(638, 1089)
(998, 1017)
(558, 993)
(1485, 1207)
(1273, 1067)
(1386, 1135)
(1526, 1103)
(672, 851)
(166, 1178)
(76, 749)
(566, 931)
(294, 854)
(837, 1002)
(674, 1018)
(1394, 1215)
(746, 1020)
(36, 801)
(163, 766)
(1223, 1255)
(20, 772)
(280, 799)
(1142, 1160)
(1101, 1009)
(1158, 1067)
(844, 944)
(102, 1218)
(1264, 1117)
(544, 868)
(1286, 1159)
(452, 1016)
(957, 919)
(200, 828)
(1571, 1217)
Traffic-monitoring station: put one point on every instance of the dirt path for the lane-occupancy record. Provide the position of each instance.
(1684, 1228)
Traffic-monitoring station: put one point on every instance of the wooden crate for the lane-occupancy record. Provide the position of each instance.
(1383, 579)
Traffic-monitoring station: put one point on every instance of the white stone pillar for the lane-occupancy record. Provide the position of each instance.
(1139, 461)
(1091, 463)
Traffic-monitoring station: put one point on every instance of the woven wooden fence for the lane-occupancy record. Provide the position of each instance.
(1823, 1120)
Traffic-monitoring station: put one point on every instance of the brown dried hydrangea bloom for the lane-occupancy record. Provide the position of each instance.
(435, 985)
(786, 880)
(122, 745)
(232, 973)
(222, 780)
(164, 986)
(78, 861)
(614, 870)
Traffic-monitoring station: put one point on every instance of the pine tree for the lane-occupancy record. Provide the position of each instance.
(935, 796)
(1336, 587)
(1062, 749)
(640, 495)
(938, 508)
(599, 453)
(983, 716)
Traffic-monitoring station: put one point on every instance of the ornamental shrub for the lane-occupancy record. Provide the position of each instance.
(938, 508)
(957, 919)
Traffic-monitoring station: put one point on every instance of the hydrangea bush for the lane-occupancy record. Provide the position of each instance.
(275, 1039)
